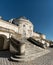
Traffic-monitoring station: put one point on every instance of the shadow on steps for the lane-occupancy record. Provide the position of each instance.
(33, 41)
(4, 54)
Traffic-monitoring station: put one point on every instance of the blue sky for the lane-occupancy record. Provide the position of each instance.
(40, 12)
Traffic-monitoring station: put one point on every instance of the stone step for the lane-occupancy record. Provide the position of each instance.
(17, 59)
(19, 56)
(29, 57)
(22, 58)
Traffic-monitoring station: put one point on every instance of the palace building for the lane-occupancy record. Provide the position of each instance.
(14, 32)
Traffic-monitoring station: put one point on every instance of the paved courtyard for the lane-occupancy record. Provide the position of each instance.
(44, 57)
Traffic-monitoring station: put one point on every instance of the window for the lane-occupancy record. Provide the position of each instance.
(15, 23)
(24, 33)
(30, 27)
(23, 25)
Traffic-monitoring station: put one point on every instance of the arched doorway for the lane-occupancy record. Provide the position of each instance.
(1, 42)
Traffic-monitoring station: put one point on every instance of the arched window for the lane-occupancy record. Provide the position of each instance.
(23, 25)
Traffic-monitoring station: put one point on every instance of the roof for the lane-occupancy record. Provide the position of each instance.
(21, 20)
(39, 33)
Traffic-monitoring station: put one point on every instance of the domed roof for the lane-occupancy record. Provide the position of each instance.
(21, 19)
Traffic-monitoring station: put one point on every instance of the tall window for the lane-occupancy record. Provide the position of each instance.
(30, 27)
(23, 25)
(24, 31)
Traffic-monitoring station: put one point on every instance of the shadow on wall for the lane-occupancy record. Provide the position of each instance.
(4, 42)
(4, 47)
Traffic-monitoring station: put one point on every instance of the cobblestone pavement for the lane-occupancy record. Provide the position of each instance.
(33, 52)
(45, 59)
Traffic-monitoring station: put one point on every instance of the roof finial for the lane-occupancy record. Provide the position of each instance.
(0, 17)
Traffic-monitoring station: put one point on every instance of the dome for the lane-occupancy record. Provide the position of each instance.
(21, 19)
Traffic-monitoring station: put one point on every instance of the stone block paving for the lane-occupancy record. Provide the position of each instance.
(32, 51)
(31, 58)
(46, 59)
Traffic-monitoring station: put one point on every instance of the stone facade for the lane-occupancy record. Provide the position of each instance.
(39, 37)
(25, 27)
(21, 26)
